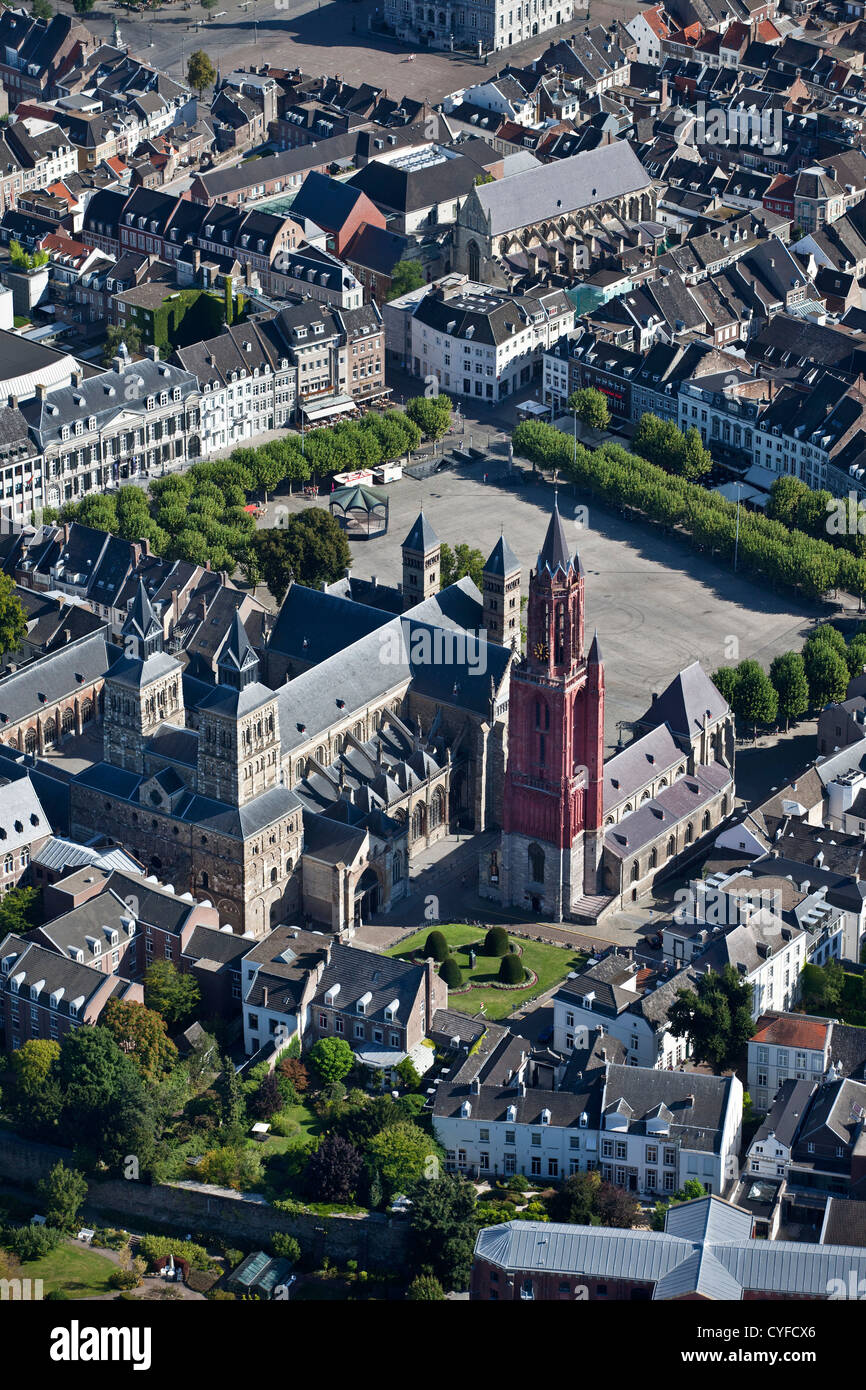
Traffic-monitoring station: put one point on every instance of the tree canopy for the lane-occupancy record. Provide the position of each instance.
(716, 1018)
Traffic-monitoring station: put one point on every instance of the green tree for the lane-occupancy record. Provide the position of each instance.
(576, 1200)
(171, 993)
(26, 260)
(695, 460)
(716, 1018)
(432, 414)
(826, 671)
(450, 972)
(332, 1059)
(63, 1193)
(19, 910)
(13, 621)
(755, 699)
(140, 1032)
(200, 71)
(511, 971)
(40, 9)
(406, 276)
(725, 681)
(310, 549)
(788, 674)
(443, 1229)
(590, 406)
(496, 942)
(232, 1104)
(856, 654)
(457, 563)
(436, 945)
(37, 1102)
(101, 1089)
(117, 337)
(403, 1154)
(83, 6)
(425, 1288)
(821, 988)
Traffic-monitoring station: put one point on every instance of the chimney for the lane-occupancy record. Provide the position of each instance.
(67, 636)
(430, 1002)
(196, 260)
(13, 402)
(77, 376)
(118, 362)
(264, 996)
(152, 351)
(41, 390)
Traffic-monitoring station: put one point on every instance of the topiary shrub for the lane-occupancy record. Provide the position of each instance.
(450, 972)
(496, 942)
(436, 946)
(511, 972)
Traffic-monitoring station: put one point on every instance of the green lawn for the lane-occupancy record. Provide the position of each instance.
(550, 963)
(72, 1269)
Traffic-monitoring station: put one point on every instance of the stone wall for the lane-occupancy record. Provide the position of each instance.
(375, 1241)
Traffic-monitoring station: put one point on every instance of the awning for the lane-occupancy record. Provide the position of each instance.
(328, 405)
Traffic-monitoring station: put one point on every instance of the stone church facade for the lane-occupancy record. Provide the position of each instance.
(582, 835)
(553, 224)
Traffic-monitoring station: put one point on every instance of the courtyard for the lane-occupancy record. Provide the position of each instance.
(550, 964)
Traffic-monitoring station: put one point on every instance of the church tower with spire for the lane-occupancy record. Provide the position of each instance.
(553, 807)
(501, 597)
(421, 562)
(143, 688)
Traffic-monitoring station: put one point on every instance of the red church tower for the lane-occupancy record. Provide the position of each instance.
(553, 812)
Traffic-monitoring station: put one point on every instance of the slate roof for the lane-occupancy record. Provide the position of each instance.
(683, 704)
(360, 972)
(722, 1263)
(421, 536)
(552, 190)
(35, 964)
(53, 677)
(786, 1116)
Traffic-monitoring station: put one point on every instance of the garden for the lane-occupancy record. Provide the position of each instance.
(489, 969)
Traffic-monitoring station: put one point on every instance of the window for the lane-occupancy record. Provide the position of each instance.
(510, 1136)
(535, 1167)
(552, 1168)
(536, 1141)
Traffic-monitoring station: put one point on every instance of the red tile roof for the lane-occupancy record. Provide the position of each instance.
(789, 1031)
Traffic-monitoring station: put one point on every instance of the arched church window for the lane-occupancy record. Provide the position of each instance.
(536, 863)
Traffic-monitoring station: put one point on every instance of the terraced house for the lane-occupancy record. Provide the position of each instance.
(125, 423)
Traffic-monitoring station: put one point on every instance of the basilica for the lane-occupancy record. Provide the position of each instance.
(372, 720)
(304, 783)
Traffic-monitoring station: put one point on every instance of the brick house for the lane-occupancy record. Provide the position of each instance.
(45, 995)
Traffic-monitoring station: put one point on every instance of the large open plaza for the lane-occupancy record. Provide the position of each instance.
(656, 603)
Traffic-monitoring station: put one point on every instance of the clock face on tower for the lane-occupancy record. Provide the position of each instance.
(540, 650)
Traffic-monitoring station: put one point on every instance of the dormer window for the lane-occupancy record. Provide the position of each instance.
(64, 432)
(545, 1117)
(151, 402)
(364, 1002)
(91, 423)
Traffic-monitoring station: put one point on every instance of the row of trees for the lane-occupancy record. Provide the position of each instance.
(200, 515)
(767, 549)
(797, 681)
(841, 520)
(663, 443)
